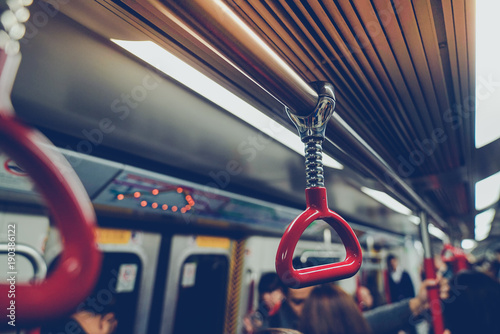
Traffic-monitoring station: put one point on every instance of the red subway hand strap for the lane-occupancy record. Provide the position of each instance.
(458, 258)
(72, 212)
(317, 208)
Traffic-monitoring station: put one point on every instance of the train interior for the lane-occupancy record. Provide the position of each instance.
(195, 170)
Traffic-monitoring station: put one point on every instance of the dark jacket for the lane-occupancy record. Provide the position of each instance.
(401, 290)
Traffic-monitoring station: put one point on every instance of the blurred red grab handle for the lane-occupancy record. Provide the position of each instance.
(79, 265)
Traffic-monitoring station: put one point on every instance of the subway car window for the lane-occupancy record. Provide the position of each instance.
(202, 294)
(222, 166)
(126, 270)
(116, 291)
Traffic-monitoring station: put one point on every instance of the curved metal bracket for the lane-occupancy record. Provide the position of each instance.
(314, 124)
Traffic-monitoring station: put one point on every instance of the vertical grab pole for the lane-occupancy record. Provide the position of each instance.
(430, 273)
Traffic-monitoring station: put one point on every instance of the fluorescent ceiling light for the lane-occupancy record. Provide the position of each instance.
(414, 219)
(488, 191)
(169, 64)
(387, 200)
(483, 224)
(436, 232)
(487, 72)
(468, 243)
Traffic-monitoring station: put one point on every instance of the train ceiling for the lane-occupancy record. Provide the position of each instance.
(401, 70)
(404, 73)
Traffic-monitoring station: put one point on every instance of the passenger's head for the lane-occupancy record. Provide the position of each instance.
(95, 323)
(473, 305)
(297, 297)
(271, 290)
(329, 310)
(497, 254)
(392, 262)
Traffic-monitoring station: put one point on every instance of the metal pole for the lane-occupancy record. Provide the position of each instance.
(430, 273)
(225, 30)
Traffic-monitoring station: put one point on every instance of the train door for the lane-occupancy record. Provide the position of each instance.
(129, 267)
(126, 281)
(197, 285)
(259, 259)
(118, 288)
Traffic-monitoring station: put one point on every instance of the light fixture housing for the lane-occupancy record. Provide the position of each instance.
(468, 244)
(386, 200)
(487, 72)
(185, 74)
(487, 191)
(433, 230)
(482, 224)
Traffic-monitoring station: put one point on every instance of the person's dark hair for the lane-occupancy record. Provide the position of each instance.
(270, 282)
(473, 305)
(330, 310)
(389, 258)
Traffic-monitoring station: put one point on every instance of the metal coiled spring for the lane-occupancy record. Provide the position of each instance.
(314, 163)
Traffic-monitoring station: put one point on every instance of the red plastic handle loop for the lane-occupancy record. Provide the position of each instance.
(79, 265)
(458, 259)
(317, 208)
(447, 248)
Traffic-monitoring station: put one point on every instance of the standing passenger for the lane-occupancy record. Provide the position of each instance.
(400, 284)
(291, 309)
(330, 310)
(495, 265)
(473, 304)
(271, 295)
